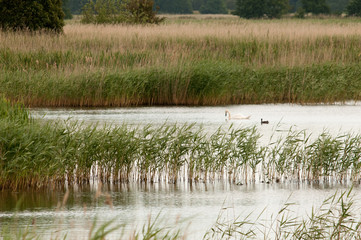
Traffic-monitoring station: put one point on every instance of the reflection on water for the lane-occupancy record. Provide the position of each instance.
(199, 203)
(282, 117)
(132, 203)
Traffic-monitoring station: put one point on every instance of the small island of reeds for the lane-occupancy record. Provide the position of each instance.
(35, 154)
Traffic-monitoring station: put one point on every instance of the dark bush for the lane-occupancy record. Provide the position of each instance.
(315, 6)
(140, 11)
(214, 7)
(31, 15)
(261, 8)
(175, 6)
(354, 8)
(116, 11)
(66, 10)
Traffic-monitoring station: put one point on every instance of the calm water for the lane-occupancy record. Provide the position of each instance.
(336, 119)
(199, 204)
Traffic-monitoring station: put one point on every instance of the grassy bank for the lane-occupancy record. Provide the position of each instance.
(186, 60)
(34, 155)
(203, 83)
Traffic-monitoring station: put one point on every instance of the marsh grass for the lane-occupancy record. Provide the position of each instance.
(203, 83)
(187, 60)
(55, 154)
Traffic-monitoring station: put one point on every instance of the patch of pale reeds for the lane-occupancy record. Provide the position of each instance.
(287, 42)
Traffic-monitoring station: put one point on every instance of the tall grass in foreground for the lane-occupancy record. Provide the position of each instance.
(336, 218)
(184, 62)
(34, 155)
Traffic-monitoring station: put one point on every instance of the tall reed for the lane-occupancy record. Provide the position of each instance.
(184, 61)
(202, 83)
(35, 154)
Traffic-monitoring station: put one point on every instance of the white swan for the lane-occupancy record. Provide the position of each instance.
(236, 117)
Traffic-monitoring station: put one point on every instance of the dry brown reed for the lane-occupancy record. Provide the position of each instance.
(197, 61)
(174, 42)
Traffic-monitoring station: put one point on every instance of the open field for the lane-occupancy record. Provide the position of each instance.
(191, 60)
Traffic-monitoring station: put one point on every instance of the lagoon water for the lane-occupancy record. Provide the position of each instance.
(314, 119)
(192, 208)
(196, 206)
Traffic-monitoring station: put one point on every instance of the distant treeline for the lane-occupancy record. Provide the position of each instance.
(205, 6)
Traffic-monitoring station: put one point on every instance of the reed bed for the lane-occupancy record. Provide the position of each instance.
(203, 83)
(186, 60)
(35, 155)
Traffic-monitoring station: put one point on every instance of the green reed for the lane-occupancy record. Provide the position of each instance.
(38, 154)
(13, 112)
(202, 83)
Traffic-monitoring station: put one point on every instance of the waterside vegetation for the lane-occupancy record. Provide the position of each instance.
(36, 155)
(187, 60)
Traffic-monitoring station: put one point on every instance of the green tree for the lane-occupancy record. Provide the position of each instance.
(174, 6)
(66, 10)
(213, 7)
(32, 15)
(120, 11)
(140, 11)
(76, 6)
(250, 8)
(261, 8)
(354, 8)
(276, 8)
(315, 6)
(231, 4)
(294, 5)
(102, 11)
(337, 6)
(197, 4)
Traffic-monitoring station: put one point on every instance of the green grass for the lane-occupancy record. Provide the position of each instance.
(203, 83)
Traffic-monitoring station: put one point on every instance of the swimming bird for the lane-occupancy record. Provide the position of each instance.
(264, 121)
(236, 117)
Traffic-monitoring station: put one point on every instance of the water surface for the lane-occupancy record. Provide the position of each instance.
(199, 203)
(315, 119)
